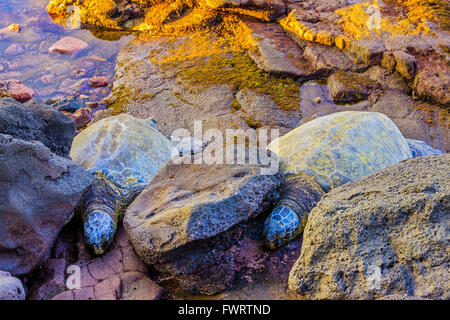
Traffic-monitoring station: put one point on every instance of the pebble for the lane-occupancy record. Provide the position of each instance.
(98, 81)
(47, 78)
(68, 45)
(79, 72)
(59, 68)
(13, 50)
(13, 28)
(82, 117)
(16, 90)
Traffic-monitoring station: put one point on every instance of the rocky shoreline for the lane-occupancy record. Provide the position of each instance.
(196, 230)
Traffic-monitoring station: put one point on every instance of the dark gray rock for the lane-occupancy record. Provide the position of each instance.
(385, 234)
(37, 121)
(38, 191)
(189, 221)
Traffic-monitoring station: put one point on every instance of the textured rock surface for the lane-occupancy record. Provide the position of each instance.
(275, 8)
(385, 234)
(260, 273)
(11, 288)
(275, 52)
(157, 93)
(39, 191)
(350, 87)
(37, 121)
(432, 83)
(188, 226)
(405, 64)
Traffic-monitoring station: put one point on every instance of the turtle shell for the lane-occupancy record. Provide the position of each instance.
(341, 147)
(128, 150)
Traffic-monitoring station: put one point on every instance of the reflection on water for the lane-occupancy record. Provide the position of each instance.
(24, 56)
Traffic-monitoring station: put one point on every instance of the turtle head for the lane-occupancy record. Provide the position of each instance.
(99, 229)
(299, 196)
(282, 226)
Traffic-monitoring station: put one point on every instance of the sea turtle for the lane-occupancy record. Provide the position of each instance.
(323, 154)
(420, 148)
(123, 153)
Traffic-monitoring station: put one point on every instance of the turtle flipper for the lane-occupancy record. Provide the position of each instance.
(289, 217)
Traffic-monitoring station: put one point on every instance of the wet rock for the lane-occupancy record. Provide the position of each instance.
(13, 50)
(382, 235)
(11, 288)
(47, 79)
(117, 275)
(39, 191)
(70, 104)
(59, 69)
(98, 81)
(15, 89)
(190, 231)
(36, 121)
(68, 45)
(82, 117)
(72, 87)
(405, 64)
(420, 148)
(347, 87)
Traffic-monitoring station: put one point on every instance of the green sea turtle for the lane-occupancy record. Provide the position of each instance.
(124, 154)
(323, 154)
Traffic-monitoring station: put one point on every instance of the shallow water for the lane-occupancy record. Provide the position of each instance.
(53, 75)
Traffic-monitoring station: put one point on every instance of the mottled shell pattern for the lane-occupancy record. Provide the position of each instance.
(127, 150)
(341, 147)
